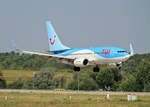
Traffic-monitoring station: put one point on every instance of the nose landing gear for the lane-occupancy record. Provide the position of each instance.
(118, 66)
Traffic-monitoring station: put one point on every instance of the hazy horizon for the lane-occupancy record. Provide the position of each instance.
(78, 23)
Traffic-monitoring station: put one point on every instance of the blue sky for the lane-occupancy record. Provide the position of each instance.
(78, 23)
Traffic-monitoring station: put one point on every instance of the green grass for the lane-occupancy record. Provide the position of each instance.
(63, 100)
(12, 75)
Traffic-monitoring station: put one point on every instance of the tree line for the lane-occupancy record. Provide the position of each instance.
(18, 61)
(133, 76)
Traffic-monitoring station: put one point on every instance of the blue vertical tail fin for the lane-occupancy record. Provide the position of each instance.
(53, 39)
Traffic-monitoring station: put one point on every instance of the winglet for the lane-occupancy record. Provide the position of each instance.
(14, 45)
(131, 50)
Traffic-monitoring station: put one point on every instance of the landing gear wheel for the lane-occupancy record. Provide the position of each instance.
(76, 69)
(118, 66)
(96, 69)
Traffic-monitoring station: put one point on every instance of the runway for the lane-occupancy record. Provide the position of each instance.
(74, 92)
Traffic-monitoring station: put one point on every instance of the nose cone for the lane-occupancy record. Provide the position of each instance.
(126, 57)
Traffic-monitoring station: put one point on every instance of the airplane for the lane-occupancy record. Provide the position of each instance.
(81, 57)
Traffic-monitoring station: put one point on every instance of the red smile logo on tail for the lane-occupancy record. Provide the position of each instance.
(52, 42)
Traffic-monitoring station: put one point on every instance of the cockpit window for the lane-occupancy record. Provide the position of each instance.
(122, 51)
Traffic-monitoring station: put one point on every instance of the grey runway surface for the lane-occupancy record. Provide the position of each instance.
(75, 92)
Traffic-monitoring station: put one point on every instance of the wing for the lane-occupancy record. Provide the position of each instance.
(59, 58)
(65, 58)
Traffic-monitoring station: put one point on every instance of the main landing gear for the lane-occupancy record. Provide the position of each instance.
(76, 69)
(95, 69)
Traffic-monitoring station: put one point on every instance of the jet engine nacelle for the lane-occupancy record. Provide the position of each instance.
(80, 62)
